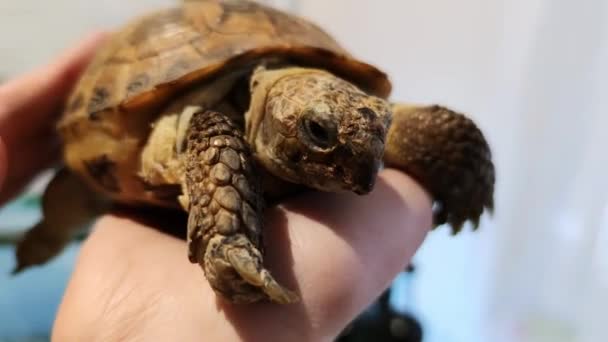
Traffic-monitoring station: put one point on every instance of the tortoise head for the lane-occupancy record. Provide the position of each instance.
(315, 129)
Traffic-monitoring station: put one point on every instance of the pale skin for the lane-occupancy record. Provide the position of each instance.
(340, 251)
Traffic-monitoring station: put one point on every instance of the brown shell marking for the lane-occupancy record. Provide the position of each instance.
(97, 102)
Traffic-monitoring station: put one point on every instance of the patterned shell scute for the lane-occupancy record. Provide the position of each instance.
(157, 55)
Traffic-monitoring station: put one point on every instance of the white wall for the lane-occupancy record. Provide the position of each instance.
(32, 31)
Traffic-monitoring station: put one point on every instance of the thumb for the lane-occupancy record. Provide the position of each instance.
(346, 249)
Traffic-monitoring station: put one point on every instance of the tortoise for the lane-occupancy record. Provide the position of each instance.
(219, 108)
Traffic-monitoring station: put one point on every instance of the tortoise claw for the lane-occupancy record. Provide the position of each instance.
(249, 268)
(233, 266)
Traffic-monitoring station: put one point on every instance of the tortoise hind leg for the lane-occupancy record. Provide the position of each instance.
(448, 155)
(225, 211)
(68, 205)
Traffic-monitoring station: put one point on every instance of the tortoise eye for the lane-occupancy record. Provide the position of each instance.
(318, 134)
(318, 131)
(367, 113)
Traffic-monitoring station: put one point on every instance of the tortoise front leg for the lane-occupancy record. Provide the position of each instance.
(225, 211)
(448, 155)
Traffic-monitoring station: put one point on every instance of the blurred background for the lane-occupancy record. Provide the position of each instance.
(533, 74)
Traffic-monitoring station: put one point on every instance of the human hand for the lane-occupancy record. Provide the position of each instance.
(338, 251)
(29, 106)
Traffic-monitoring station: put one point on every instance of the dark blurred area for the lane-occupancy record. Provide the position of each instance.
(382, 322)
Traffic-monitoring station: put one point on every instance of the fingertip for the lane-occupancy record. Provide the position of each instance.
(410, 190)
(85, 43)
(90, 42)
(95, 37)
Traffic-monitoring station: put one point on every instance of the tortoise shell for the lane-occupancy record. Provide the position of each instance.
(157, 57)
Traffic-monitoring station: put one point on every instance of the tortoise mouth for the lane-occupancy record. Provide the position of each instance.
(365, 188)
(362, 191)
(360, 178)
(363, 177)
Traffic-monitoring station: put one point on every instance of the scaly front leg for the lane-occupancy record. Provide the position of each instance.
(225, 211)
(448, 155)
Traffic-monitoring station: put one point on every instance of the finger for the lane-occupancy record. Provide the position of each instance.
(346, 250)
(339, 251)
(27, 108)
(38, 154)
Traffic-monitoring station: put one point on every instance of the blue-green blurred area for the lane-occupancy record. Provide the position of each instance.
(29, 300)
